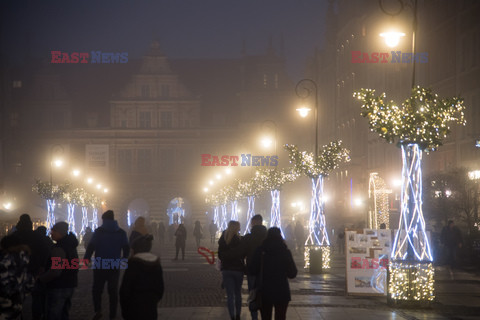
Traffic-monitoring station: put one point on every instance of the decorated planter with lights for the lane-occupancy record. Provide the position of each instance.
(420, 124)
(317, 168)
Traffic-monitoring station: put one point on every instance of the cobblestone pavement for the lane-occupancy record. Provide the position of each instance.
(193, 291)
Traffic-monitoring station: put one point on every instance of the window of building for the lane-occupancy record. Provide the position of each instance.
(276, 80)
(265, 80)
(17, 84)
(146, 91)
(144, 160)
(166, 119)
(144, 119)
(165, 90)
(124, 161)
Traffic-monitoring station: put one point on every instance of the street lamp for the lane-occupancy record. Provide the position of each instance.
(392, 38)
(304, 89)
(267, 141)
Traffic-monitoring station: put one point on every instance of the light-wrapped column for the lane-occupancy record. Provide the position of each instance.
(275, 215)
(50, 214)
(71, 218)
(250, 212)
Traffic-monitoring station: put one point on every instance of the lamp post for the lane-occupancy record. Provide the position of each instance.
(317, 245)
(411, 272)
(304, 90)
(266, 141)
(392, 38)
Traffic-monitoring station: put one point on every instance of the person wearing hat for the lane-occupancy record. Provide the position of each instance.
(142, 284)
(109, 241)
(61, 277)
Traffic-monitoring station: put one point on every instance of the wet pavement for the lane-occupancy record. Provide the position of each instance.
(193, 291)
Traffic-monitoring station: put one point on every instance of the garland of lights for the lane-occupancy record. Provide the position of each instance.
(379, 212)
(420, 124)
(423, 118)
(316, 168)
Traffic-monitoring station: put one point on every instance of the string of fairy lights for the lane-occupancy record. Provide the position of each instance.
(419, 124)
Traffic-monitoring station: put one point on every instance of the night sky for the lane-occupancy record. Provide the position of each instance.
(185, 28)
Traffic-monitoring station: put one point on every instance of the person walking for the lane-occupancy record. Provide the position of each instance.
(39, 293)
(142, 284)
(212, 228)
(198, 233)
(139, 229)
(181, 239)
(276, 262)
(61, 278)
(40, 248)
(15, 279)
(161, 233)
(250, 243)
(299, 237)
(232, 268)
(87, 237)
(109, 241)
(451, 238)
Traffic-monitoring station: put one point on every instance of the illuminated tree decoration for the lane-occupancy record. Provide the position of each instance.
(272, 180)
(378, 195)
(72, 197)
(329, 158)
(420, 124)
(50, 193)
(250, 189)
(94, 202)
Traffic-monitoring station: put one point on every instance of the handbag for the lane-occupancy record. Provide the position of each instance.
(255, 295)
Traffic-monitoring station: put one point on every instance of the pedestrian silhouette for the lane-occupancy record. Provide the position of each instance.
(181, 238)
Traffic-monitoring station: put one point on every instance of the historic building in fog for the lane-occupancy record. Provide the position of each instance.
(140, 127)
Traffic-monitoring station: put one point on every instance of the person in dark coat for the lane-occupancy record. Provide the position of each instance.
(61, 278)
(451, 238)
(161, 233)
(108, 242)
(249, 244)
(278, 267)
(40, 247)
(232, 268)
(15, 279)
(299, 237)
(181, 238)
(142, 284)
(198, 233)
(87, 237)
(139, 229)
(39, 293)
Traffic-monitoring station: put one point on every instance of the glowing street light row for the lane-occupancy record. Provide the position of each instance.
(76, 173)
(218, 177)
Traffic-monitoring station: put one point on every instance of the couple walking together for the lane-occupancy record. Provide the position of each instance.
(267, 257)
